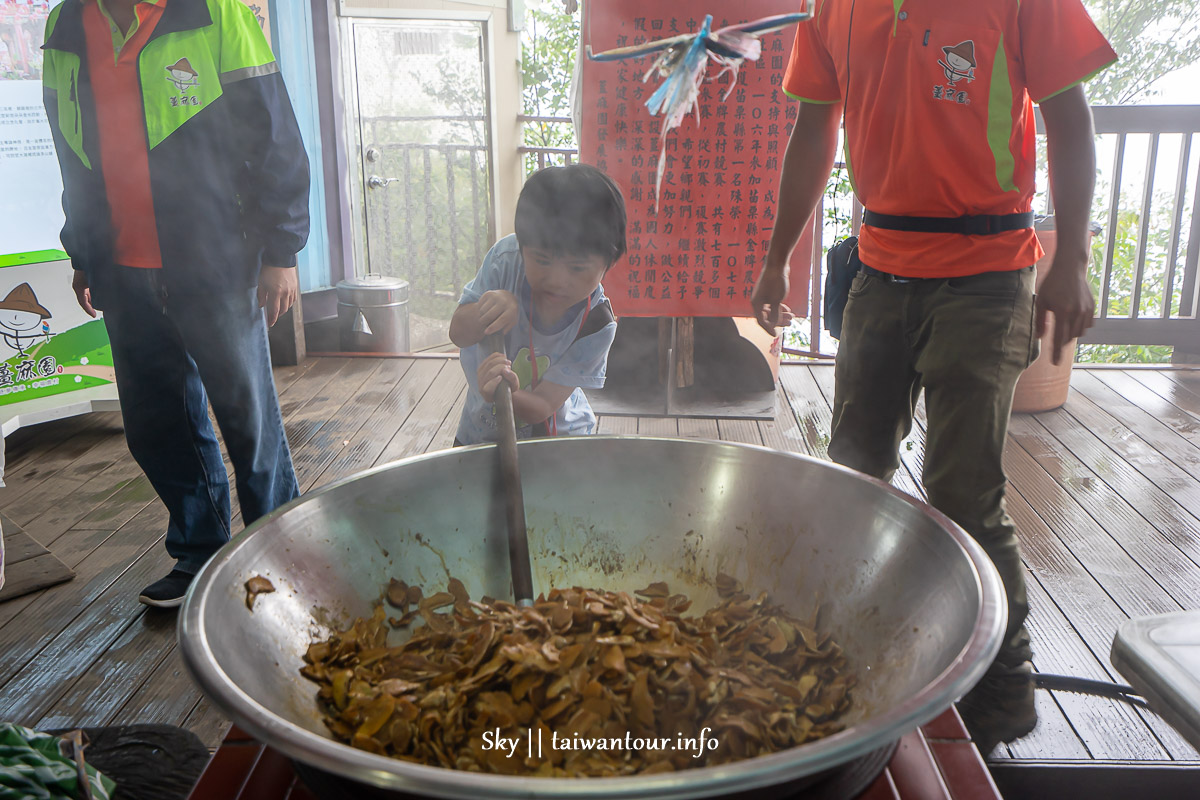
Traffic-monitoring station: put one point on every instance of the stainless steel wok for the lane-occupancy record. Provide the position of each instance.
(917, 606)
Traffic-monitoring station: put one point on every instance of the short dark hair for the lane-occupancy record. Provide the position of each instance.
(575, 209)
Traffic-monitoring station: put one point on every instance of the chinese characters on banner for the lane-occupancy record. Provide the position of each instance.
(701, 253)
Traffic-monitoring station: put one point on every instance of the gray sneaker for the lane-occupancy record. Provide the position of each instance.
(1000, 708)
(167, 592)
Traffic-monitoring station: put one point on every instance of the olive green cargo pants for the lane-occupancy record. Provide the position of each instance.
(965, 341)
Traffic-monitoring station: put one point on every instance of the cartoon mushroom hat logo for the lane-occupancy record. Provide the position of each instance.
(182, 74)
(21, 311)
(960, 60)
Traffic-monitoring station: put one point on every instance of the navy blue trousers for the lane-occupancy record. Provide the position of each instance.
(173, 355)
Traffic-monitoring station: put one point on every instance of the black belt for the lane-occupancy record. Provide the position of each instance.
(979, 225)
(892, 278)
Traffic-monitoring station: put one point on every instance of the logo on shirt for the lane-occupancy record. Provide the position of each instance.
(184, 77)
(959, 65)
(523, 366)
(960, 62)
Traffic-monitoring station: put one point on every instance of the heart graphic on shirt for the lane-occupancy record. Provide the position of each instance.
(524, 367)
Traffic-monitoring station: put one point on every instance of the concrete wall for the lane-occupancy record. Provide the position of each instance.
(506, 78)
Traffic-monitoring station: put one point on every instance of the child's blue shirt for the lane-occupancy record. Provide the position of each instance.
(572, 352)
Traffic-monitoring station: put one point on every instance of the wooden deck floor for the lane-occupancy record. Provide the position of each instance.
(1106, 494)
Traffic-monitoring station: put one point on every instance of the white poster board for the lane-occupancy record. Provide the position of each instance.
(30, 187)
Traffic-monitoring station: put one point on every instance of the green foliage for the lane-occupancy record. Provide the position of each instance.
(549, 47)
(1152, 38)
(1124, 272)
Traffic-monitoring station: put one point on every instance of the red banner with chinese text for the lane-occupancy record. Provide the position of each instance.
(701, 253)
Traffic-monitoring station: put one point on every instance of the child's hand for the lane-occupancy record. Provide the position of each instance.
(497, 311)
(494, 369)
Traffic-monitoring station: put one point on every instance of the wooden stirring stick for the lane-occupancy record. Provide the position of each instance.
(510, 475)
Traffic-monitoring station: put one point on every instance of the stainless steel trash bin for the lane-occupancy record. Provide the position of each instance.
(373, 314)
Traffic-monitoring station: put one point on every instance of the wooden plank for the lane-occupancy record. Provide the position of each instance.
(167, 696)
(1166, 513)
(1187, 378)
(130, 498)
(1172, 387)
(1141, 545)
(1058, 649)
(288, 374)
(1130, 586)
(1054, 737)
(1092, 587)
(744, 431)
(43, 447)
(207, 722)
(342, 418)
(36, 491)
(783, 432)
(369, 441)
(812, 413)
(1128, 443)
(72, 652)
(422, 424)
(71, 550)
(693, 428)
(616, 425)
(657, 426)
(306, 386)
(1134, 395)
(25, 635)
(112, 489)
(306, 419)
(444, 438)
(1076, 639)
(103, 686)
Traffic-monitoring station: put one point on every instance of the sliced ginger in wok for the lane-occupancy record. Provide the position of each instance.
(579, 662)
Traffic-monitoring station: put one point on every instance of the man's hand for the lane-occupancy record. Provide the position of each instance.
(497, 311)
(83, 295)
(278, 288)
(494, 369)
(767, 300)
(1066, 294)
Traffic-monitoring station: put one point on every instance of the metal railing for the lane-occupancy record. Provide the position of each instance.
(429, 212)
(1162, 229)
(1164, 259)
(538, 157)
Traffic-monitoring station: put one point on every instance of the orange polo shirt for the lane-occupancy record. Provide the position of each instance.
(121, 132)
(939, 113)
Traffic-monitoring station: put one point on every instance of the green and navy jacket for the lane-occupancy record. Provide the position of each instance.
(229, 174)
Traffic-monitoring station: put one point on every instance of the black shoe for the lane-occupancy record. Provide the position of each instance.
(167, 592)
(1000, 708)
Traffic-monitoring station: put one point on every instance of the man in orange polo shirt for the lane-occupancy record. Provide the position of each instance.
(937, 99)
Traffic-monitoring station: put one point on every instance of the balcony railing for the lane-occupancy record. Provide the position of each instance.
(1149, 245)
(1145, 257)
(538, 157)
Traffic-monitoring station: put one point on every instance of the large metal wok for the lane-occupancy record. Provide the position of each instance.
(913, 600)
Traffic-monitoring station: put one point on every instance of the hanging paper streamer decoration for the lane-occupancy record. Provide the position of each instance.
(683, 63)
